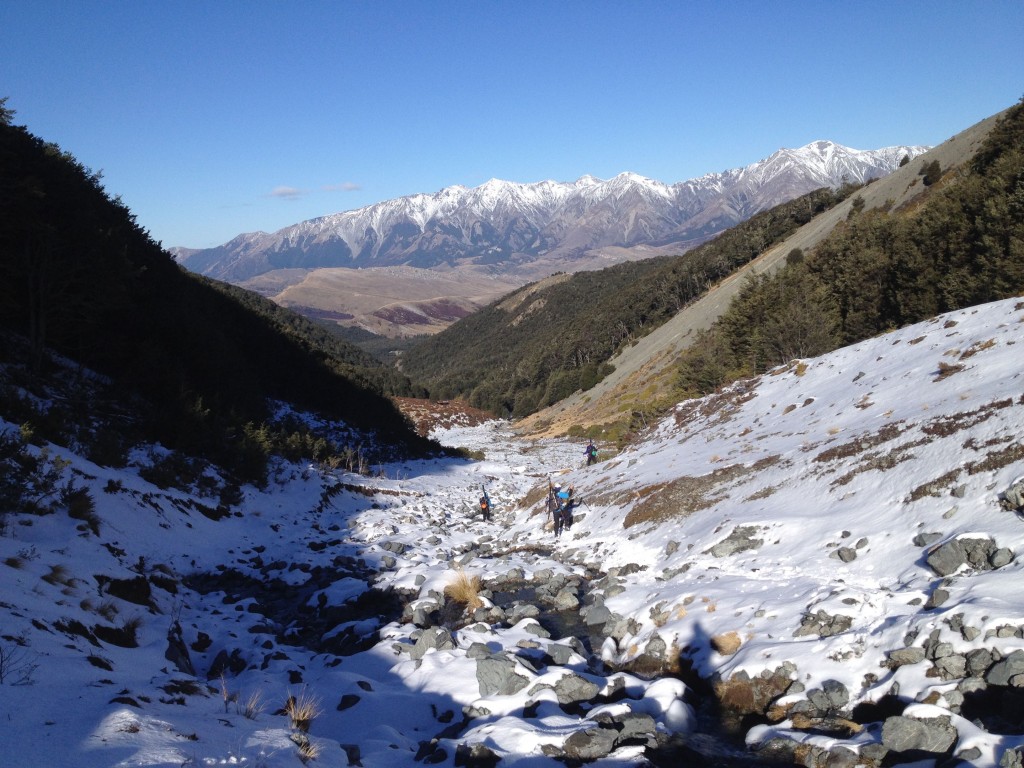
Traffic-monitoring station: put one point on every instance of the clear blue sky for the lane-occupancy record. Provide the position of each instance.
(219, 117)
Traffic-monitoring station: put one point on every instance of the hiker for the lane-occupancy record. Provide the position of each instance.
(552, 503)
(485, 504)
(591, 453)
(564, 502)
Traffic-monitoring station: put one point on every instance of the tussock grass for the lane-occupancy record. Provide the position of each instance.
(303, 709)
(59, 574)
(465, 590)
(252, 706)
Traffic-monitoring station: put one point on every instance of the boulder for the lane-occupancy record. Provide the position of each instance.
(496, 675)
(572, 688)
(1003, 671)
(590, 744)
(906, 734)
(435, 638)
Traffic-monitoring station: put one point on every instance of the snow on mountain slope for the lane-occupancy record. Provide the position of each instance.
(503, 223)
(830, 531)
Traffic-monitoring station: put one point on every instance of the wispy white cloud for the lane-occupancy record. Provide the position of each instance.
(287, 193)
(345, 186)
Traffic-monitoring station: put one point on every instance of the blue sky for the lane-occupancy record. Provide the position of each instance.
(215, 118)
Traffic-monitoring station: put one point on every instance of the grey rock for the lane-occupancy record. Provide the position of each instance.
(566, 600)
(1001, 557)
(952, 667)
(1012, 758)
(1004, 670)
(933, 734)
(926, 539)
(434, 638)
(536, 629)
(496, 675)
(937, 598)
(823, 624)
(830, 698)
(951, 556)
(521, 611)
(572, 688)
(475, 756)
(741, 539)
(560, 654)
(595, 614)
(978, 661)
(902, 656)
(590, 744)
(846, 554)
(478, 651)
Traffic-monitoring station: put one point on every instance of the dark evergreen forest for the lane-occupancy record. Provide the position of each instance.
(203, 361)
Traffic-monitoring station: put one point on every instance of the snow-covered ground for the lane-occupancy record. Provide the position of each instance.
(802, 527)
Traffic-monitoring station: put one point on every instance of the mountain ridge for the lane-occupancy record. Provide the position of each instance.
(511, 226)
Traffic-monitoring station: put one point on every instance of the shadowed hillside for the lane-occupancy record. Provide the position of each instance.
(80, 278)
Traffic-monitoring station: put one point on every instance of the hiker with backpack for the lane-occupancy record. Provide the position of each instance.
(560, 504)
(485, 504)
(591, 453)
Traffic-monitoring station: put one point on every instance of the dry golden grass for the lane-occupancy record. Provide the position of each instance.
(465, 590)
(303, 709)
(727, 644)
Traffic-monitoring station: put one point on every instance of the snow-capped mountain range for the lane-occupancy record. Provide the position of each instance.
(509, 225)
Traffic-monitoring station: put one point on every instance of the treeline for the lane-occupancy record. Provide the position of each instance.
(961, 244)
(80, 278)
(546, 341)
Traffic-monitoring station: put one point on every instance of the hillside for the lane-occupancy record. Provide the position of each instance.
(540, 344)
(197, 364)
(392, 302)
(646, 373)
(811, 567)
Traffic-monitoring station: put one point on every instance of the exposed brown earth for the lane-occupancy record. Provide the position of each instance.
(428, 415)
(391, 301)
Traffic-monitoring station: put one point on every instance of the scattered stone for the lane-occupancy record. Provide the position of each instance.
(823, 624)
(926, 539)
(903, 656)
(846, 554)
(741, 539)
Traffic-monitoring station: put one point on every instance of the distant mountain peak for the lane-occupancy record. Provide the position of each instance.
(507, 225)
